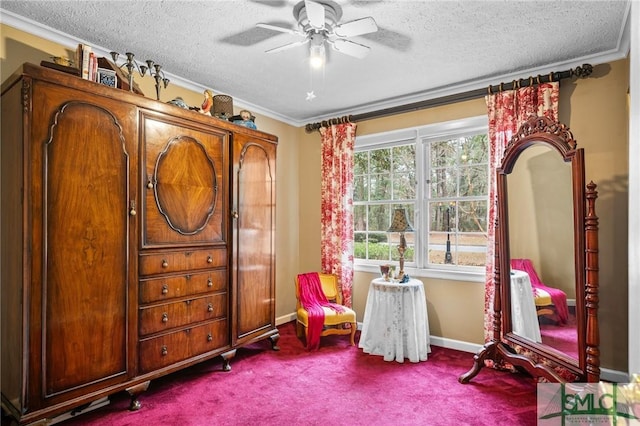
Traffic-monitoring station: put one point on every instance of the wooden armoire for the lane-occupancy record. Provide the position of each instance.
(137, 240)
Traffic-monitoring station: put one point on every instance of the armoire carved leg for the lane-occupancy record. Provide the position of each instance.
(134, 392)
(226, 357)
(274, 341)
(487, 351)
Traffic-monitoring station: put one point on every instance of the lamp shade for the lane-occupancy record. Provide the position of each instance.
(400, 222)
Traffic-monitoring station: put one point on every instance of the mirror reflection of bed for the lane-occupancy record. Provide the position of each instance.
(541, 243)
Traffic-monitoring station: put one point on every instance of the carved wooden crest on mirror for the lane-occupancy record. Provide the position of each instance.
(545, 224)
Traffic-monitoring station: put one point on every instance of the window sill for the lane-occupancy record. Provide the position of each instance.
(443, 274)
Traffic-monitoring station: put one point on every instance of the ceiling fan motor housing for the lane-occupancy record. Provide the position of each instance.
(332, 15)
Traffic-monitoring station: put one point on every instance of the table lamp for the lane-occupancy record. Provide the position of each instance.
(400, 223)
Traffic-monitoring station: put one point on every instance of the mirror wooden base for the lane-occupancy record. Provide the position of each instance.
(500, 353)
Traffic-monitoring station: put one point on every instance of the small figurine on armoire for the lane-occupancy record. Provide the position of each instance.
(207, 103)
(246, 119)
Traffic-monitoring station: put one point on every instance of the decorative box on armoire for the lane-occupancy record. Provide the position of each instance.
(133, 242)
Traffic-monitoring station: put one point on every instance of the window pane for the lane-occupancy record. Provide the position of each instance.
(472, 216)
(437, 249)
(360, 188)
(404, 159)
(404, 187)
(443, 153)
(360, 163)
(475, 149)
(378, 246)
(380, 161)
(442, 216)
(380, 187)
(443, 183)
(473, 181)
(472, 249)
(359, 218)
(379, 218)
(360, 245)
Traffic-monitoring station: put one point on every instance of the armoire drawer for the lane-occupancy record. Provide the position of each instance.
(165, 288)
(182, 261)
(158, 318)
(165, 350)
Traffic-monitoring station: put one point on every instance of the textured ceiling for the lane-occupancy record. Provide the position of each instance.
(423, 49)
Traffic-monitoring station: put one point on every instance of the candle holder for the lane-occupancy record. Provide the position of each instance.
(155, 71)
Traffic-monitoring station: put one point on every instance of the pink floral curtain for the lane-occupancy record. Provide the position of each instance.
(337, 204)
(507, 110)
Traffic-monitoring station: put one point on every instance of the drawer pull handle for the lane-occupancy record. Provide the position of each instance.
(210, 307)
(234, 214)
(209, 283)
(165, 317)
(165, 289)
(209, 259)
(165, 264)
(132, 208)
(164, 351)
(209, 337)
(149, 183)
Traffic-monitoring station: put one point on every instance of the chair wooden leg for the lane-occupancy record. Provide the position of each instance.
(299, 330)
(353, 333)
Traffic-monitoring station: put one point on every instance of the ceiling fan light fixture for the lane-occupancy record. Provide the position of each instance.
(317, 54)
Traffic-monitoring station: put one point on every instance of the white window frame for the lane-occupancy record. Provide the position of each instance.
(420, 135)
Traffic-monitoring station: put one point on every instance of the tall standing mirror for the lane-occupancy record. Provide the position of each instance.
(546, 262)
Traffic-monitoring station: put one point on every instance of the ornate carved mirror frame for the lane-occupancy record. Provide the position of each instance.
(508, 349)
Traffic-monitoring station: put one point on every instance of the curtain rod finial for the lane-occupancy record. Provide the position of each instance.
(584, 71)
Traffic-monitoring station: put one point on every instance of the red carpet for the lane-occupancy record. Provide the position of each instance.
(562, 337)
(337, 385)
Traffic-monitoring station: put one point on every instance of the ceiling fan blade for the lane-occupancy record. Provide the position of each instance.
(350, 48)
(271, 3)
(315, 14)
(278, 28)
(358, 27)
(287, 46)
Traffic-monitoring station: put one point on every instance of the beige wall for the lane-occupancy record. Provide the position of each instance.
(596, 111)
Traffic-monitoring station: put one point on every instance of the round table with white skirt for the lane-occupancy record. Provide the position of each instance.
(396, 325)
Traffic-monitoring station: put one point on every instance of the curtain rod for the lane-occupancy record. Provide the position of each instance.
(584, 71)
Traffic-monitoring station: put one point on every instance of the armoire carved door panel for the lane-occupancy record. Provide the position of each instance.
(185, 181)
(253, 237)
(80, 182)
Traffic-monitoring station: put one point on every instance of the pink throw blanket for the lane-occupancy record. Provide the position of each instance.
(558, 297)
(313, 299)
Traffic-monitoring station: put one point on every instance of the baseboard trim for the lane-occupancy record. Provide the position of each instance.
(614, 376)
(473, 348)
(458, 345)
(285, 318)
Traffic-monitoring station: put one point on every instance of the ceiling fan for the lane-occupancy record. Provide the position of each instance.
(318, 25)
